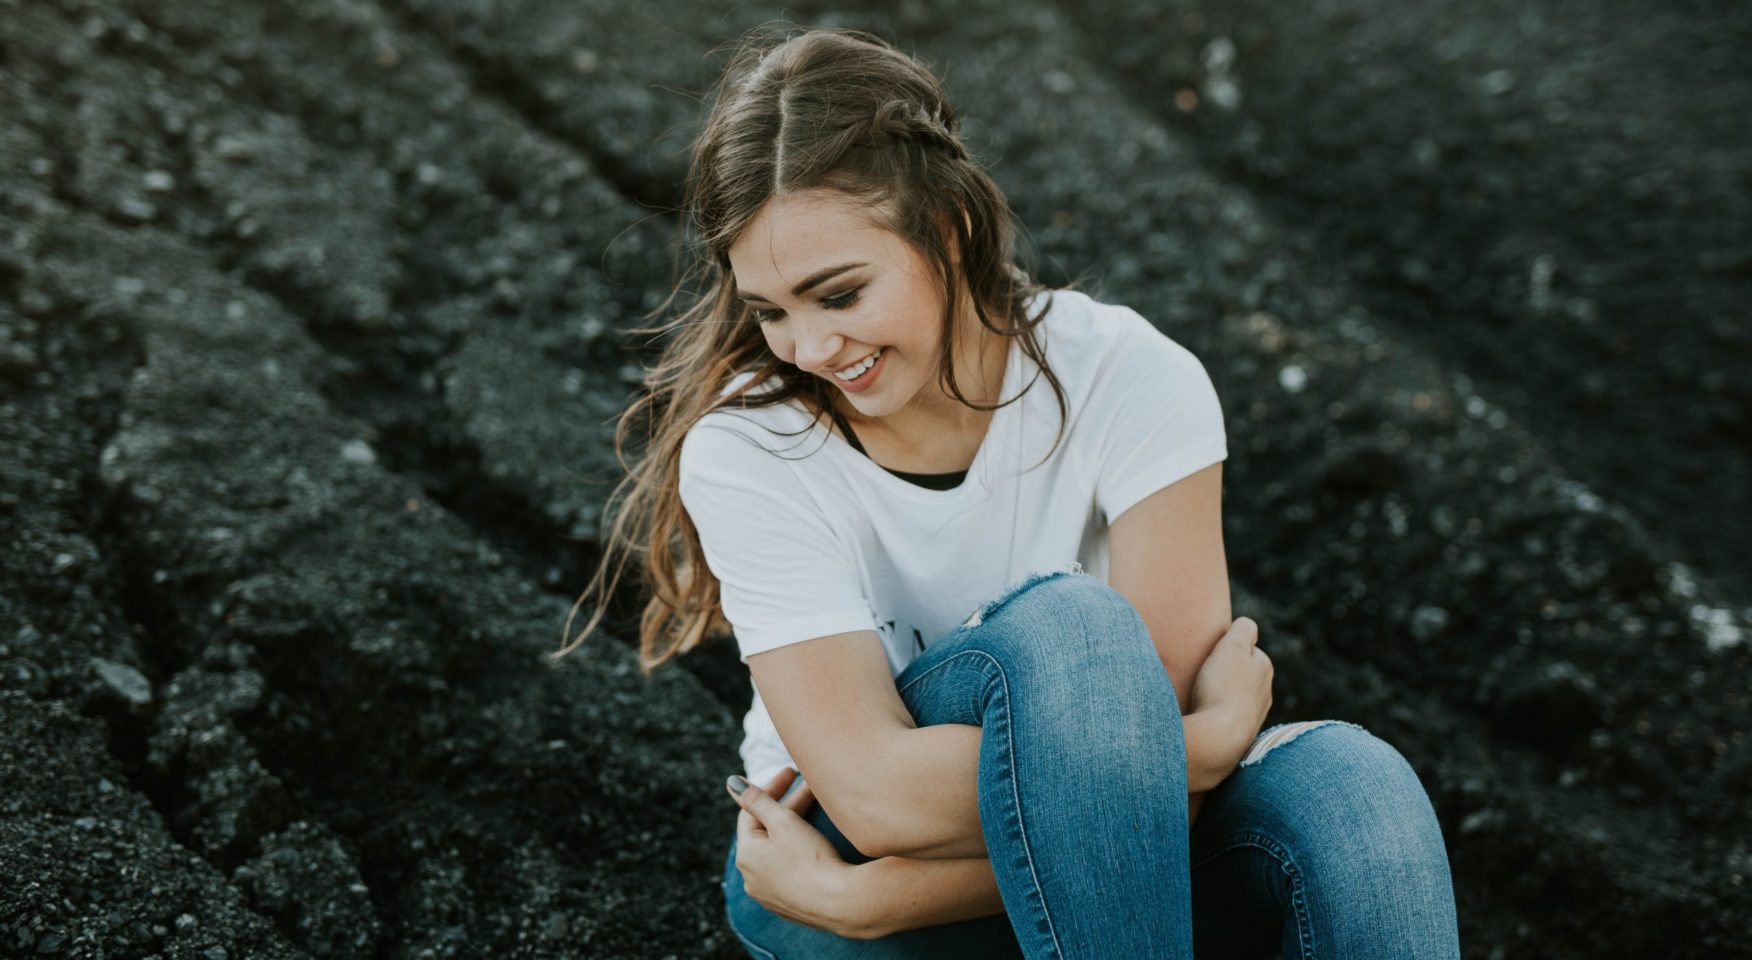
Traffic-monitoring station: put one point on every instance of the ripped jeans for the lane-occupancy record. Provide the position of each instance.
(1322, 843)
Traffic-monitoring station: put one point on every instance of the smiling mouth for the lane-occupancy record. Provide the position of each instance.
(862, 367)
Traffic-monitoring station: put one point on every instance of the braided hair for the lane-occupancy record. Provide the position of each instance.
(901, 120)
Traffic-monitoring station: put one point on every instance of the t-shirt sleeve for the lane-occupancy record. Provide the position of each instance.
(1161, 416)
(784, 574)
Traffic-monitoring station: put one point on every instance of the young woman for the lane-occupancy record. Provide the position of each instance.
(967, 533)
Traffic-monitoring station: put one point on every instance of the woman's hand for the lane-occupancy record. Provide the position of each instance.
(1235, 683)
(787, 865)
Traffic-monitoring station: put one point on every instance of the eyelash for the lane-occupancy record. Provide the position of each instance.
(839, 302)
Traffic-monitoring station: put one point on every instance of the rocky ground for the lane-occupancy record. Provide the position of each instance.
(310, 352)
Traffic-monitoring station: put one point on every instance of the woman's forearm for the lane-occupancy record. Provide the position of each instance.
(892, 894)
(1213, 749)
(932, 810)
(928, 809)
(895, 893)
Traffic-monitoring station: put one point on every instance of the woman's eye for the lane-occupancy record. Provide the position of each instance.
(839, 302)
(842, 301)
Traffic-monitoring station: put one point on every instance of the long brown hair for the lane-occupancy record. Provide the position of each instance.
(794, 110)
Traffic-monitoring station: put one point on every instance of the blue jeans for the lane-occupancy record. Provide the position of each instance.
(1321, 844)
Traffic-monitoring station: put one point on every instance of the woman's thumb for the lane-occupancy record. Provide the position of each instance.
(752, 797)
(746, 793)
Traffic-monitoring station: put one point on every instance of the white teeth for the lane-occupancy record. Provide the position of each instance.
(856, 371)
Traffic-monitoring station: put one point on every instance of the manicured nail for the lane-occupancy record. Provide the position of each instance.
(737, 784)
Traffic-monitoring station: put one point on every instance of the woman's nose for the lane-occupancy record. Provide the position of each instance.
(815, 350)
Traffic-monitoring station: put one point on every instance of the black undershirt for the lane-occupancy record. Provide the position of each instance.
(932, 481)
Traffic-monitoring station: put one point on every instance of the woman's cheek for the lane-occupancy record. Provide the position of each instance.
(779, 344)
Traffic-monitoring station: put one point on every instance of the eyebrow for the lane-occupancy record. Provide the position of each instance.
(818, 277)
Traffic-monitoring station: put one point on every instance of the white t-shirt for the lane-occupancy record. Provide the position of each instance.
(809, 538)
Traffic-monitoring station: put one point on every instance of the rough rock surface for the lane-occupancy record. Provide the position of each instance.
(309, 356)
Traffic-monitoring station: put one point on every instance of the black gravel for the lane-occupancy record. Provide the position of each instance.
(310, 348)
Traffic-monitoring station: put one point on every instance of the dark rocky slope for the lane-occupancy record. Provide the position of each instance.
(309, 357)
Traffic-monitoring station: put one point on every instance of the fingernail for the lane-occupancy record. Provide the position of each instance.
(737, 784)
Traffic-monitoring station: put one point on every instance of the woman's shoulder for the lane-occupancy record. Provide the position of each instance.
(755, 438)
(773, 429)
(750, 411)
(1084, 333)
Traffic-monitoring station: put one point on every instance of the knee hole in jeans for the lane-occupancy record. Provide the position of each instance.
(1279, 734)
(1067, 593)
(986, 609)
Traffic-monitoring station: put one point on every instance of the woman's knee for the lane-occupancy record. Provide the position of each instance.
(1068, 636)
(1375, 762)
(1065, 614)
(1067, 645)
(1353, 790)
(1347, 818)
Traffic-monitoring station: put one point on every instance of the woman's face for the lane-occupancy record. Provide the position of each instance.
(830, 289)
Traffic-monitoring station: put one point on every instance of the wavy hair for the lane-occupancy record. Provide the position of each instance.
(795, 110)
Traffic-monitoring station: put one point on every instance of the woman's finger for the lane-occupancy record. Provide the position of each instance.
(781, 781)
(762, 806)
(748, 827)
(791, 779)
(800, 799)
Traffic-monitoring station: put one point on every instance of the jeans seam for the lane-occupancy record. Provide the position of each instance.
(760, 952)
(1287, 864)
(1015, 780)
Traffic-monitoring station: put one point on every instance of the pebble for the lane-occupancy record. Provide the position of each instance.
(1427, 621)
(135, 209)
(358, 451)
(124, 680)
(1497, 82)
(233, 148)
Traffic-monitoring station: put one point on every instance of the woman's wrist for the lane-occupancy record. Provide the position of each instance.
(844, 902)
(889, 895)
(1215, 742)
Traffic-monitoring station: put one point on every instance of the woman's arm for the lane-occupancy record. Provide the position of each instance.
(891, 894)
(1166, 558)
(937, 815)
(1215, 743)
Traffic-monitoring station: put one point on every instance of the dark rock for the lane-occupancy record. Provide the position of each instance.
(1554, 705)
(312, 334)
(127, 682)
